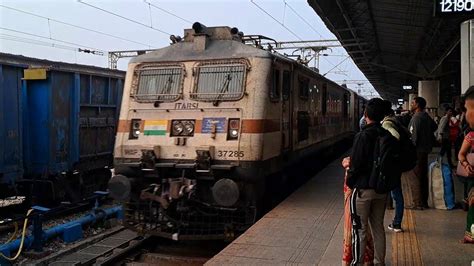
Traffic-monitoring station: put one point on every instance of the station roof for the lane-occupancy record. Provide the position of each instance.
(393, 42)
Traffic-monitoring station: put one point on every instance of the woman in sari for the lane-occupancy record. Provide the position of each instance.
(347, 242)
(467, 146)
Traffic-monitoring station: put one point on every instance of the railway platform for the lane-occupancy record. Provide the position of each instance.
(307, 229)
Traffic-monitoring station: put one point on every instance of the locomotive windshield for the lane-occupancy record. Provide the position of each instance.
(159, 84)
(219, 82)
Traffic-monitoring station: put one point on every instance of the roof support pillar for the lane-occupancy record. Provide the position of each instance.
(429, 89)
(467, 55)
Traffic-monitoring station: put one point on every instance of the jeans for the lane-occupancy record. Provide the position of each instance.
(397, 196)
(446, 149)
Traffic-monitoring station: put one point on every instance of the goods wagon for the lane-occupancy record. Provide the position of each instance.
(58, 124)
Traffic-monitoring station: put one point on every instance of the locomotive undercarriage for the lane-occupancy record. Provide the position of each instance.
(179, 201)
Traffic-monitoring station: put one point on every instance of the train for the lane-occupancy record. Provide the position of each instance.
(57, 128)
(209, 122)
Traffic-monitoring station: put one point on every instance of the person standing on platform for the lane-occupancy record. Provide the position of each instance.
(362, 123)
(347, 239)
(367, 206)
(421, 127)
(455, 136)
(443, 136)
(467, 147)
(390, 123)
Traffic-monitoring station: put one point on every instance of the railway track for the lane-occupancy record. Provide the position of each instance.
(120, 246)
(104, 249)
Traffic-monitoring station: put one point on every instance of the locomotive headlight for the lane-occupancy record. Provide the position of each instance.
(234, 133)
(189, 127)
(178, 128)
(184, 128)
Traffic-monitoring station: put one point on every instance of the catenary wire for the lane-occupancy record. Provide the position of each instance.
(288, 29)
(43, 37)
(36, 42)
(75, 26)
(123, 17)
(167, 12)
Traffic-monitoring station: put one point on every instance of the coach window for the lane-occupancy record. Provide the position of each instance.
(286, 85)
(346, 105)
(303, 87)
(324, 97)
(159, 84)
(303, 125)
(275, 88)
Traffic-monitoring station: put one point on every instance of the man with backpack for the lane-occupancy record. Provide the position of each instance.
(407, 160)
(367, 176)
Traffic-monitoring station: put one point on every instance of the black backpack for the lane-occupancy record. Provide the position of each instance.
(407, 148)
(386, 171)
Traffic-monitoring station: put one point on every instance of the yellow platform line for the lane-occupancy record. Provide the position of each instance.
(405, 246)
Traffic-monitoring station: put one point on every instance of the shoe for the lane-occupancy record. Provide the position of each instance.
(395, 228)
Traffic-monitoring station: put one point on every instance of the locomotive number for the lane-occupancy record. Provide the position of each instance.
(233, 154)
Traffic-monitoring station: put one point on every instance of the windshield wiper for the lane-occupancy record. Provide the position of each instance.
(224, 89)
(167, 88)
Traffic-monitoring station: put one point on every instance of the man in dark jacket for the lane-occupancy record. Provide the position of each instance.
(367, 205)
(422, 128)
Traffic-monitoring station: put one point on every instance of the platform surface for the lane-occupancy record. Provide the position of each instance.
(307, 229)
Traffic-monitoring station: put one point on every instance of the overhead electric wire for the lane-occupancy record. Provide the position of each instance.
(57, 40)
(302, 18)
(311, 26)
(75, 26)
(123, 17)
(336, 66)
(167, 12)
(276, 20)
(36, 42)
(288, 29)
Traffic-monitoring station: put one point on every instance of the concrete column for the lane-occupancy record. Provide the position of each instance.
(429, 89)
(411, 96)
(467, 55)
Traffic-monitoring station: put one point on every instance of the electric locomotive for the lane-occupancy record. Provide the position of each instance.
(208, 122)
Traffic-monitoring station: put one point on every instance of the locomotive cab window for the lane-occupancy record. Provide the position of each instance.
(159, 84)
(275, 87)
(220, 82)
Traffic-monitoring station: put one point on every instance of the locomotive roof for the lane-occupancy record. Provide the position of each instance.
(216, 49)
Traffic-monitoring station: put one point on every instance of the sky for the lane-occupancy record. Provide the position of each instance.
(55, 29)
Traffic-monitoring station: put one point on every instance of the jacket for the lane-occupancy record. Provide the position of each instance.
(362, 157)
(422, 128)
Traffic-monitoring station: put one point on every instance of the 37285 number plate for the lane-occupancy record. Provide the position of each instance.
(230, 154)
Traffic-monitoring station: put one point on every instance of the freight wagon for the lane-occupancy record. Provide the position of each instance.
(57, 127)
